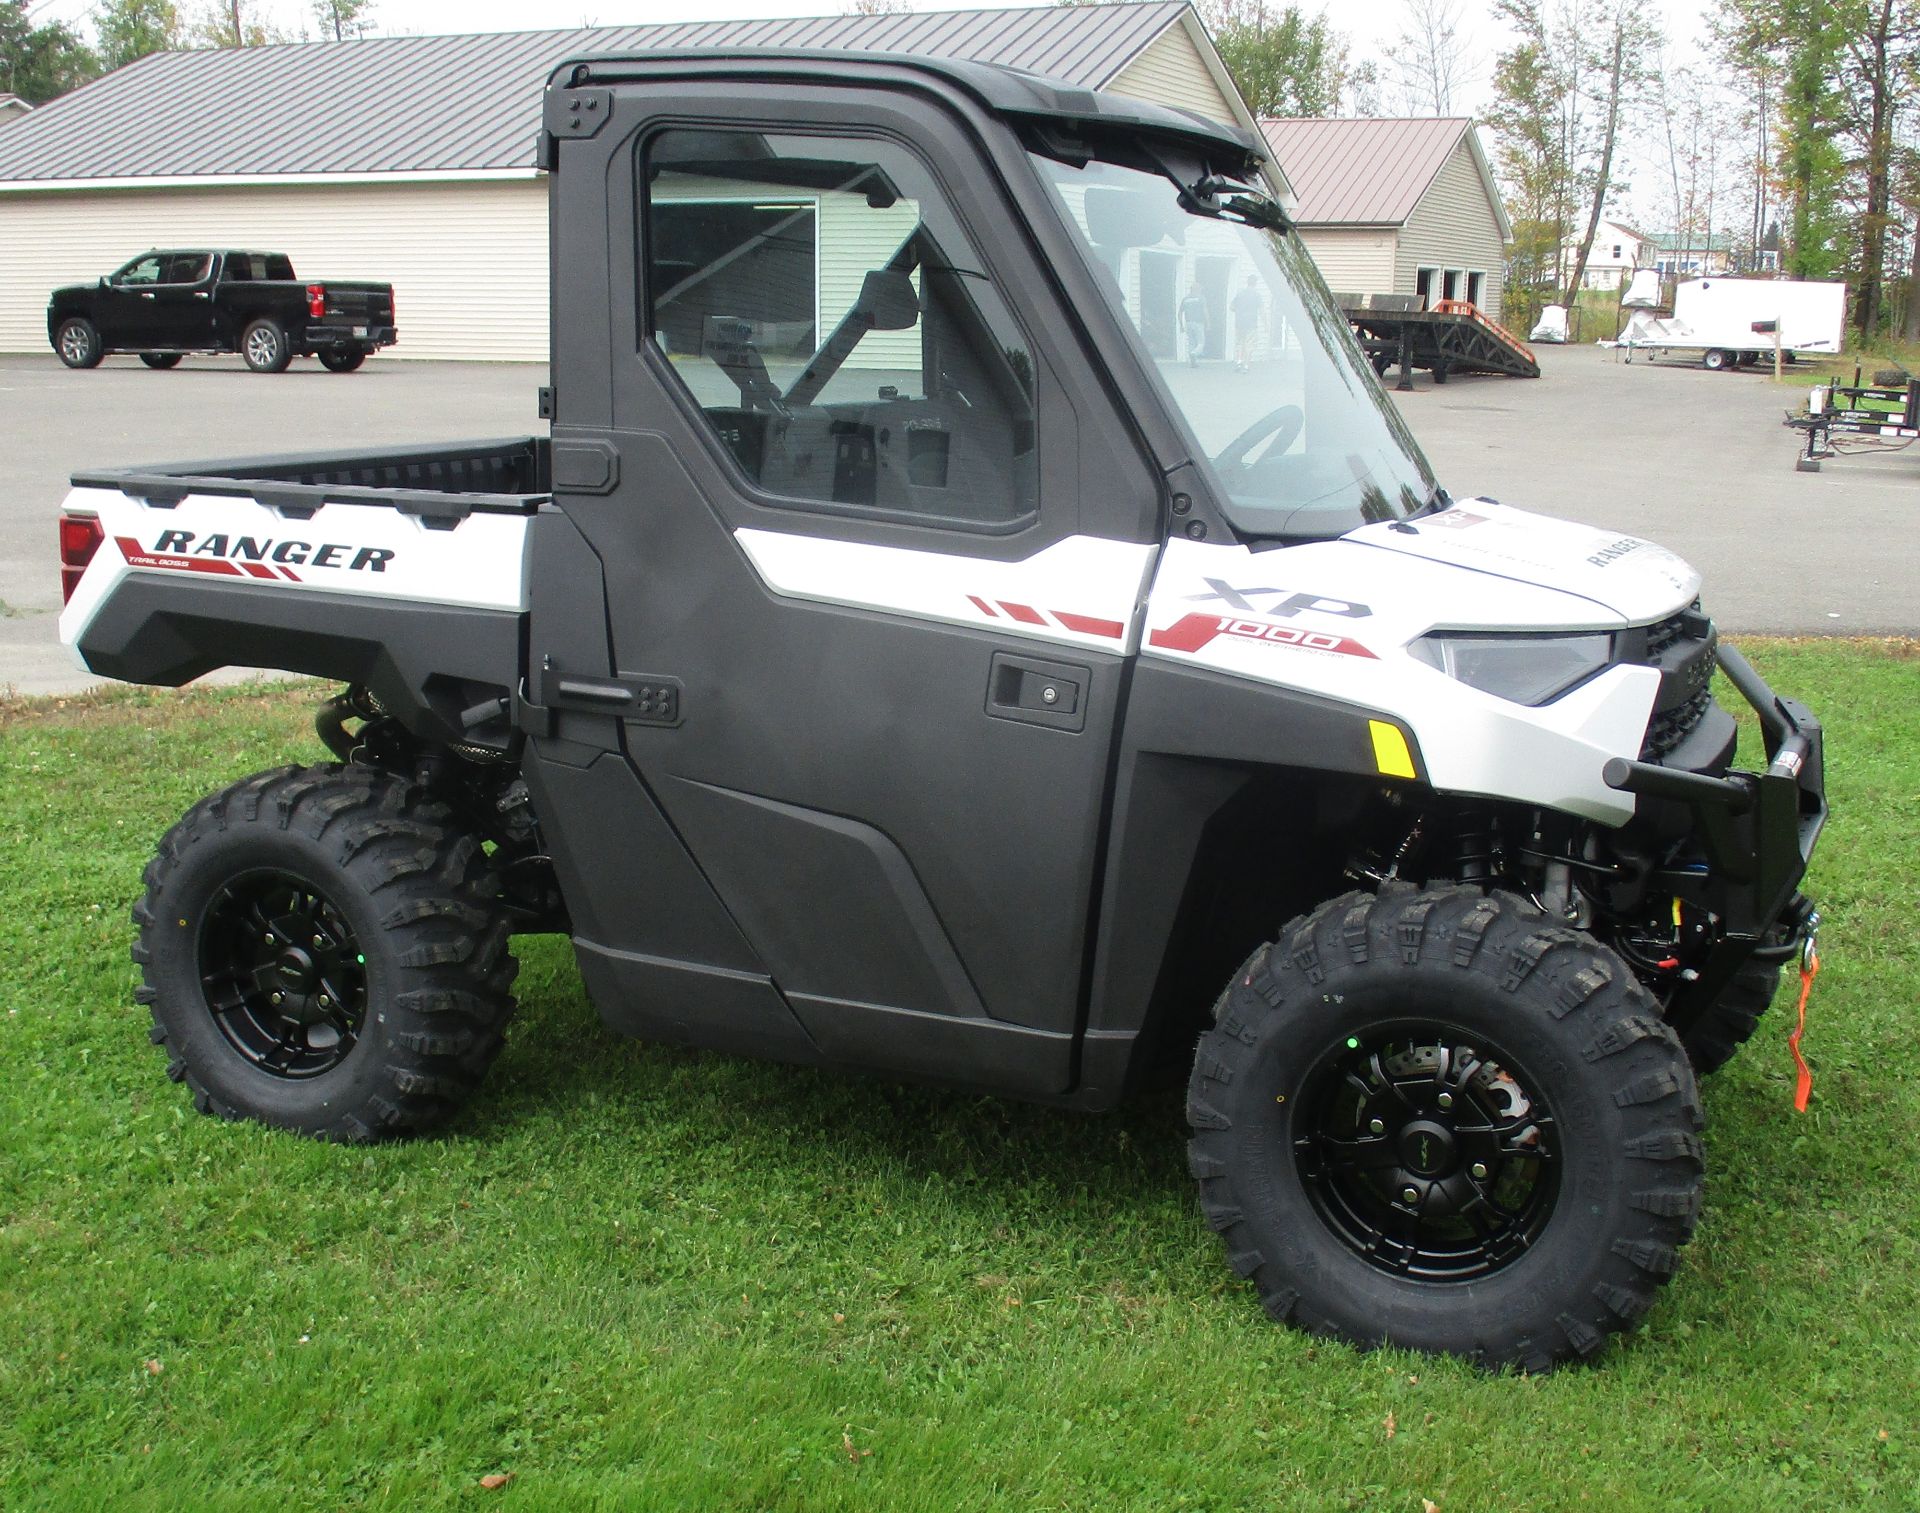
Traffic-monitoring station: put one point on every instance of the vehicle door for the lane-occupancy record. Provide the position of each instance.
(126, 310)
(181, 310)
(873, 539)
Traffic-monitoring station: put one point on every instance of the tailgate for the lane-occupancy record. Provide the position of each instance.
(363, 304)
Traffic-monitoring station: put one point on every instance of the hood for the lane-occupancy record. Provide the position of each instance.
(1632, 578)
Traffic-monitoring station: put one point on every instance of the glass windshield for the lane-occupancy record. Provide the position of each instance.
(1253, 351)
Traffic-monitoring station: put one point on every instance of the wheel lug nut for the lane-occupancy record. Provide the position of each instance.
(1376, 1126)
(1479, 1170)
(1445, 1100)
(268, 939)
(319, 940)
(325, 1001)
(276, 998)
(1410, 1193)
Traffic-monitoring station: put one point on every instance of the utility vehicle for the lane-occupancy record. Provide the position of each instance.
(899, 657)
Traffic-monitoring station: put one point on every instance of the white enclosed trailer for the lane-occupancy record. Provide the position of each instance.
(1735, 321)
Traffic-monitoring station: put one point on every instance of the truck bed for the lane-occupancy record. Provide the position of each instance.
(444, 483)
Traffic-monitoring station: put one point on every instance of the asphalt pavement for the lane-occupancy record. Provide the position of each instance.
(1697, 461)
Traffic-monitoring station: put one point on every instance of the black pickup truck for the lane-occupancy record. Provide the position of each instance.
(164, 305)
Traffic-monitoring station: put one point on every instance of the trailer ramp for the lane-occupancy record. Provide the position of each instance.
(1453, 337)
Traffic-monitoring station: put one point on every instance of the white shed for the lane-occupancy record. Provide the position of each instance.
(1397, 206)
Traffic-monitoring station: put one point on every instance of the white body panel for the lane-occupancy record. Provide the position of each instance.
(1720, 313)
(342, 548)
(1081, 591)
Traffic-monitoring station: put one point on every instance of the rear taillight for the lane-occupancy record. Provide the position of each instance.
(317, 300)
(80, 538)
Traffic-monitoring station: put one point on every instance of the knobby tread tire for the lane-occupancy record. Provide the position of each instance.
(1618, 1075)
(1733, 1017)
(416, 886)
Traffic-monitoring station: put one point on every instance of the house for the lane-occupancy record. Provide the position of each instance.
(12, 107)
(1616, 252)
(1691, 253)
(411, 159)
(1397, 206)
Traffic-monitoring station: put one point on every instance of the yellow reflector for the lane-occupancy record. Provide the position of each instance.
(1390, 752)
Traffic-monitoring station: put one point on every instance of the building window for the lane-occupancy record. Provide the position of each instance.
(840, 334)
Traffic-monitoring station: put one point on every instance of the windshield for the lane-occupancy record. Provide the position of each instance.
(1252, 350)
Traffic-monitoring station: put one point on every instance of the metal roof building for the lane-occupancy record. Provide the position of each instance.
(1397, 206)
(410, 159)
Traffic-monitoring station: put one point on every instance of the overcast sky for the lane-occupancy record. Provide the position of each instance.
(1370, 25)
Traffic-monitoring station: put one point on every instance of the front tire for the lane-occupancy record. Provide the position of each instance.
(323, 951)
(161, 359)
(1731, 1019)
(342, 359)
(1431, 1119)
(264, 347)
(1716, 359)
(78, 343)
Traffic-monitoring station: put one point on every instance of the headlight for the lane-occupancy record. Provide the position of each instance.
(1525, 669)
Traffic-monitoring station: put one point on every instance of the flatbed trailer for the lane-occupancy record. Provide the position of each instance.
(1882, 418)
(1453, 337)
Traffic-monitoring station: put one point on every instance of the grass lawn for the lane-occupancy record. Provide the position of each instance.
(642, 1278)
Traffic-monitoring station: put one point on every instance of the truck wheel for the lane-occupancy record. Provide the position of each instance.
(161, 359)
(264, 347)
(1733, 1017)
(78, 343)
(1433, 1120)
(342, 359)
(1715, 359)
(322, 951)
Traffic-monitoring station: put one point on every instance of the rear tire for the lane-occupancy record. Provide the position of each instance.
(1513, 1076)
(78, 343)
(1734, 1015)
(342, 359)
(161, 359)
(1715, 360)
(264, 347)
(323, 951)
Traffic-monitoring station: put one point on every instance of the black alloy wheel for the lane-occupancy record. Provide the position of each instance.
(283, 974)
(1426, 1155)
(1436, 1119)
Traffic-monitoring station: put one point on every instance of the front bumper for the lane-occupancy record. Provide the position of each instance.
(1757, 830)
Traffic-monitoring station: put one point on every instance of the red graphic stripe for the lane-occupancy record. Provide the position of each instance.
(138, 556)
(257, 570)
(292, 576)
(1192, 632)
(1087, 625)
(982, 605)
(1026, 614)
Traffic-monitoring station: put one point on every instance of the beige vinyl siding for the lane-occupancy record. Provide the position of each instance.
(1353, 260)
(468, 262)
(1170, 71)
(854, 238)
(1454, 226)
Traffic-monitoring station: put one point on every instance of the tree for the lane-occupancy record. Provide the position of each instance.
(1619, 66)
(1433, 56)
(1284, 62)
(1536, 120)
(38, 62)
(128, 30)
(226, 23)
(343, 19)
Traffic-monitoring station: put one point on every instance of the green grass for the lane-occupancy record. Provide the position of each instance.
(646, 1278)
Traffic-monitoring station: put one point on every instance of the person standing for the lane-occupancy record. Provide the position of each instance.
(1247, 309)
(1193, 323)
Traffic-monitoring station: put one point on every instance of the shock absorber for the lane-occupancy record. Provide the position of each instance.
(1475, 836)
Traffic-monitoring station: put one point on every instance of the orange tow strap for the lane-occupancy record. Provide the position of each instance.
(1803, 1083)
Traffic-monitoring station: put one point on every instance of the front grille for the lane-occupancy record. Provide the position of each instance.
(1682, 647)
(1669, 727)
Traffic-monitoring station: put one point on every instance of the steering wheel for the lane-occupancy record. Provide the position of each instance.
(1282, 424)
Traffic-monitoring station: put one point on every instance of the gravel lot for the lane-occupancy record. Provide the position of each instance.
(1697, 461)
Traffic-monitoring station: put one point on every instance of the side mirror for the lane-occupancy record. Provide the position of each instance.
(889, 300)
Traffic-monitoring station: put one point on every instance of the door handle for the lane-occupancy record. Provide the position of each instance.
(1038, 693)
(145, 294)
(201, 294)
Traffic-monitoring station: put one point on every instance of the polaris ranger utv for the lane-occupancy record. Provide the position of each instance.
(917, 649)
